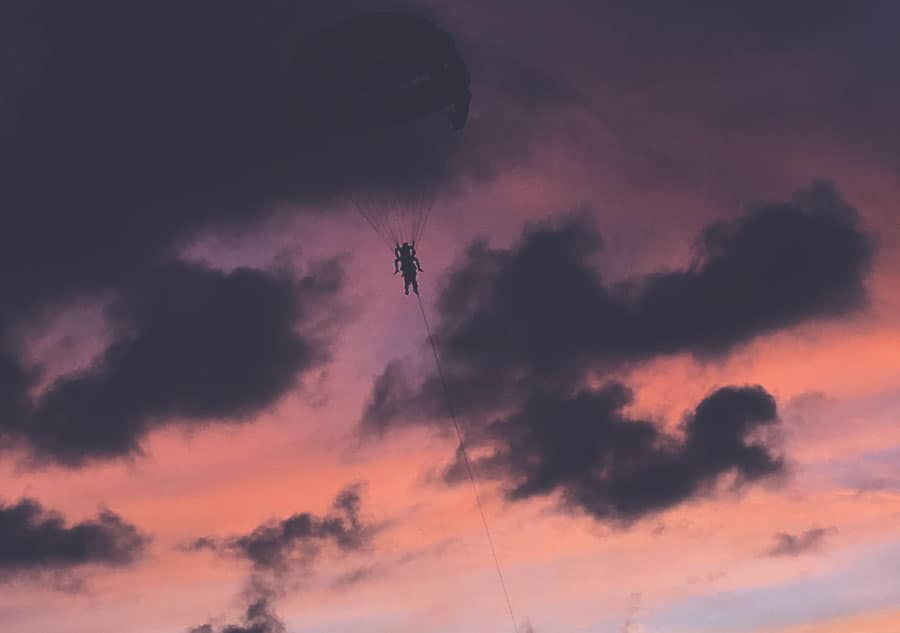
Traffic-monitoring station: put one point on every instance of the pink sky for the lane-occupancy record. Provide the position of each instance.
(565, 573)
(698, 567)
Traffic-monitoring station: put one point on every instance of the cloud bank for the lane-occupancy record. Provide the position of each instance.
(34, 539)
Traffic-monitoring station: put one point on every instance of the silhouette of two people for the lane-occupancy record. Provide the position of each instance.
(406, 262)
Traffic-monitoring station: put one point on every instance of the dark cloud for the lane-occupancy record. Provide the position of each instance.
(523, 330)
(33, 539)
(146, 126)
(277, 548)
(259, 618)
(538, 316)
(127, 134)
(194, 345)
(15, 381)
(661, 84)
(297, 541)
(797, 544)
(149, 124)
(611, 466)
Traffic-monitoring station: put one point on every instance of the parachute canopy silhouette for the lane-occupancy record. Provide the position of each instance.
(399, 82)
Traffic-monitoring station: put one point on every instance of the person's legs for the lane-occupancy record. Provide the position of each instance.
(415, 283)
(406, 285)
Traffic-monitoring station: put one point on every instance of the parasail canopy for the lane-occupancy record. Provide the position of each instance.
(401, 82)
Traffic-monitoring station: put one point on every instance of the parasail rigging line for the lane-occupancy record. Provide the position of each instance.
(468, 464)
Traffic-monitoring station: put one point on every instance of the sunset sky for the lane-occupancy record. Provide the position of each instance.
(662, 271)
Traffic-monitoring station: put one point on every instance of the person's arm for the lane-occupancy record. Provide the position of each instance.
(418, 265)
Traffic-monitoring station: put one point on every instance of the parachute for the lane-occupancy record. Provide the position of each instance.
(398, 83)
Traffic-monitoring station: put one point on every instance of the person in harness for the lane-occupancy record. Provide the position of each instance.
(406, 262)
